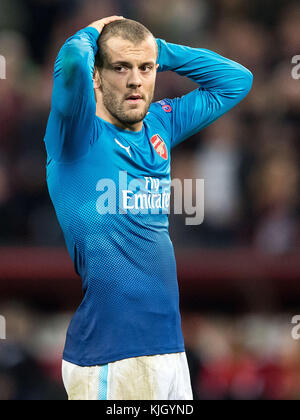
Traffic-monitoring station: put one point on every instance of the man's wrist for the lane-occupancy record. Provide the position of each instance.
(96, 27)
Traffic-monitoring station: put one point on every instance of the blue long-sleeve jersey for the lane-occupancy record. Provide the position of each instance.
(111, 189)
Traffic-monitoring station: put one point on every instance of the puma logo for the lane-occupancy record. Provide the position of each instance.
(124, 147)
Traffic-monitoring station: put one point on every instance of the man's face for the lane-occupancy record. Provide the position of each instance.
(127, 80)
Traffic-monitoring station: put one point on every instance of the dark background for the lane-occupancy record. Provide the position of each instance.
(238, 272)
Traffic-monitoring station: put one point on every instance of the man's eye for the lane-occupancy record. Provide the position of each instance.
(120, 69)
(146, 68)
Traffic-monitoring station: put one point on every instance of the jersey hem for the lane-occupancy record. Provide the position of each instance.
(118, 357)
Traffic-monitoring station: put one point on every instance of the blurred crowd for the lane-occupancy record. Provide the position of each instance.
(241, 357)
(249, 159)
(248, 357)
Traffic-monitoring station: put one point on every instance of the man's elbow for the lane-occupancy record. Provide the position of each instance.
(245, 81)
(248, 80)
(242, 84)
(239, 82)
(71, 62)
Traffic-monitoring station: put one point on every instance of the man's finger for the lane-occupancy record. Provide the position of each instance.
(99, 24)
(111, 19)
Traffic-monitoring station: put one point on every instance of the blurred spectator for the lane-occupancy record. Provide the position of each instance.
(23, 374)
(249, 357)
(275, 183)
(218, 162)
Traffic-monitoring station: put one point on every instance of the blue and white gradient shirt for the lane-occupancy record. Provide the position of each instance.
(111, 190)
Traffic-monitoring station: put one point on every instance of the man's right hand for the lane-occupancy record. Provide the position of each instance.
(99, 24)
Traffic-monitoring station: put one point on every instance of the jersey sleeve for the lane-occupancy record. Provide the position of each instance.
(73, 106)
(223, 83)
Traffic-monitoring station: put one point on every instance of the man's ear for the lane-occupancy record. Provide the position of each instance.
(157, 65)
(96, 79)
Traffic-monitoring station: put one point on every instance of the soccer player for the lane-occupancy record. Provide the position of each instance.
(108, 174)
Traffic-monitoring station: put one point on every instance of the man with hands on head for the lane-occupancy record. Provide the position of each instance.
(125, 339)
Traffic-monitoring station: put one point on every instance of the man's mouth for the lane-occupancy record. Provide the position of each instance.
(134, 99)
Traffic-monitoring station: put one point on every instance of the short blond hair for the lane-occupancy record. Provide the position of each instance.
(126, 29)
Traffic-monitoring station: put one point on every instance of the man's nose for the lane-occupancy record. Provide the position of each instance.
(134, 78)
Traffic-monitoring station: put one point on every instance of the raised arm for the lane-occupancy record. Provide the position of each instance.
(223, 84)
(73, 106)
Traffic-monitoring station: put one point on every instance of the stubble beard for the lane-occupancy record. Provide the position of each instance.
(117, 108)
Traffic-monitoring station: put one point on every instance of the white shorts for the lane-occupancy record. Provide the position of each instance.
(158, 377)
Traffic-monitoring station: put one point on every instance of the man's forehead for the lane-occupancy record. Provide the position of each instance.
(119, 49)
